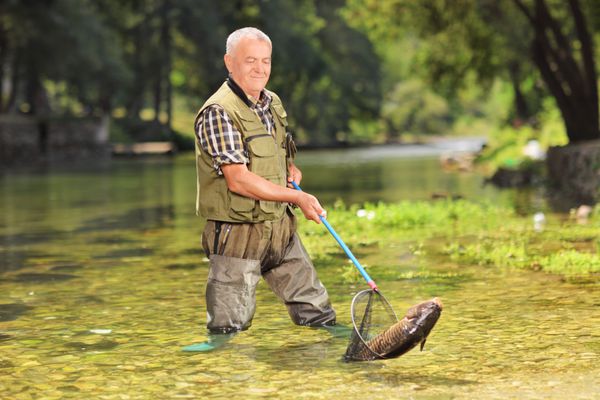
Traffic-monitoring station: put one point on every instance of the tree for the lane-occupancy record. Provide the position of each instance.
(85, 61)
(570, 75)
(490, 39)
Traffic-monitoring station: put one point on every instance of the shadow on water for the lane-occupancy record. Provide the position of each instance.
(6, 364)
(66, 267)
(19, 239)
(296, 356)
(3, 338)
(10, 312)
(186, 266)
(194, 251)
(141, 218)
(104, 344)
(34, 277)
(113, 239)
(11, 264)
(13, 260)
(92, 299)
(121, 253)
(320, 354)
(396, 379)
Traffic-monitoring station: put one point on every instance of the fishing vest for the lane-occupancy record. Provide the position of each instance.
(269, 157)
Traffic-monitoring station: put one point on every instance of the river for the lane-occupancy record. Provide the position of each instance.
(102, 282)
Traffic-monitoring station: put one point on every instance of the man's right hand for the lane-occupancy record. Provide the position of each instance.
(310, 206)
(245, 183)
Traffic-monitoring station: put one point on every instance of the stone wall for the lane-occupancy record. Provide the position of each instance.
(574, 170)
(26, 140)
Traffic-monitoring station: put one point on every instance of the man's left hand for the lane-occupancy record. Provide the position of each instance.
(294, 175)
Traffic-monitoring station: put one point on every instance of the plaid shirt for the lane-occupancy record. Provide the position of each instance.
(219, 137)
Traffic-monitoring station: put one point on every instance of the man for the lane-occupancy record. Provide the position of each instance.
(245, 163)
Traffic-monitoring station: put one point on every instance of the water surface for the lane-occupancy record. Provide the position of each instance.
(102, 280)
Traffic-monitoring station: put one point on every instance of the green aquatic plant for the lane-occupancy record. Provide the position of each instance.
(489, 252)
(571, 262)
(350, 274)
(474, 233)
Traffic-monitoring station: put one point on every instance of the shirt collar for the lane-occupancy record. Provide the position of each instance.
(264, 101)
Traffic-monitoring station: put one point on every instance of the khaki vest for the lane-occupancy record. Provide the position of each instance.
(268, 159)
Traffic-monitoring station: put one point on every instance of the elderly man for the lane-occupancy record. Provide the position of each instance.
(245, 163)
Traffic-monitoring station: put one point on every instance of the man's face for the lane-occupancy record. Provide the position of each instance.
(250, 65)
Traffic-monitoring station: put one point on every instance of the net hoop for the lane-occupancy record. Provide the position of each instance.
(352, 313)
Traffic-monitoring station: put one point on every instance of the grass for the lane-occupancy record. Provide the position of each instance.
(470, 233)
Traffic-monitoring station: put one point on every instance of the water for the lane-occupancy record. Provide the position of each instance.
(101, 283)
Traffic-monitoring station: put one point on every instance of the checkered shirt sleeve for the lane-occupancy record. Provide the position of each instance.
(219, 138)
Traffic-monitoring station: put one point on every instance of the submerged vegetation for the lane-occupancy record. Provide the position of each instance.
(465, 232)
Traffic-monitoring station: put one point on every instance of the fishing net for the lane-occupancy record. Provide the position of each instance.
(372, 314)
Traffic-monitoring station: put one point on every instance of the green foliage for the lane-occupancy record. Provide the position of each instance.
(412, 108)
(489, 251)
(100, 57)
(473, 233)
(505, 145)
(488, 40)
(571, 262)
(347, 70)
(366, 225)
(363, 131)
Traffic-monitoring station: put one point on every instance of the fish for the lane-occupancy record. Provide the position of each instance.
(404, 335)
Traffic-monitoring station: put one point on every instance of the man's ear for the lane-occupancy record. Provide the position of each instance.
(227, 59)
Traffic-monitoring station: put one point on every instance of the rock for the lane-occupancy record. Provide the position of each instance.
(505, 177)
(583, 213)
(534, 150)
(457, 161)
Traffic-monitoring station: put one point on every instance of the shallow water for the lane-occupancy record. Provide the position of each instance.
(102, 279)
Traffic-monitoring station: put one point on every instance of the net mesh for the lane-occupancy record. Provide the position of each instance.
(372, 314)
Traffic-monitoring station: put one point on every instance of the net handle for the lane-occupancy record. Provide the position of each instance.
(360, 268)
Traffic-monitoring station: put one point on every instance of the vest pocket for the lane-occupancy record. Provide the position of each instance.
(272, 207)
(262, 145)
(241, 207)
(264, 152)
(269, 207)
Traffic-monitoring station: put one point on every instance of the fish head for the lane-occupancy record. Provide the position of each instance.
(413, 328)
(424, 309)
(423, 317)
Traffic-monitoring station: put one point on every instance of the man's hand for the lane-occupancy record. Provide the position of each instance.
(294, 175)
(245, 183)
(310, 206)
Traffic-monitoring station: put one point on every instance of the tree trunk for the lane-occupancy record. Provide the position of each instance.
(14, 83)
(158, 93)
(3, 61)
(35, 93)
(166, 38)
(521, 109)
(136, 98)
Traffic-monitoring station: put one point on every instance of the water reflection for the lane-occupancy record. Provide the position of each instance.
(34, 277)
(404, 177)
(10, 312)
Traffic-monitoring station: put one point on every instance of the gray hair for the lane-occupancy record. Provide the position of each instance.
(250, 32)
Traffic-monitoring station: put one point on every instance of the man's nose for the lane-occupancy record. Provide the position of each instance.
(260, 68)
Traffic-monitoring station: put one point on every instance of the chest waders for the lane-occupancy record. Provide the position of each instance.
(246, 238)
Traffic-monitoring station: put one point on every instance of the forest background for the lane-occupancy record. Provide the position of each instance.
(348, 71)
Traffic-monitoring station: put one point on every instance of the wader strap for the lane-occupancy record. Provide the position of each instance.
(217, 234)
